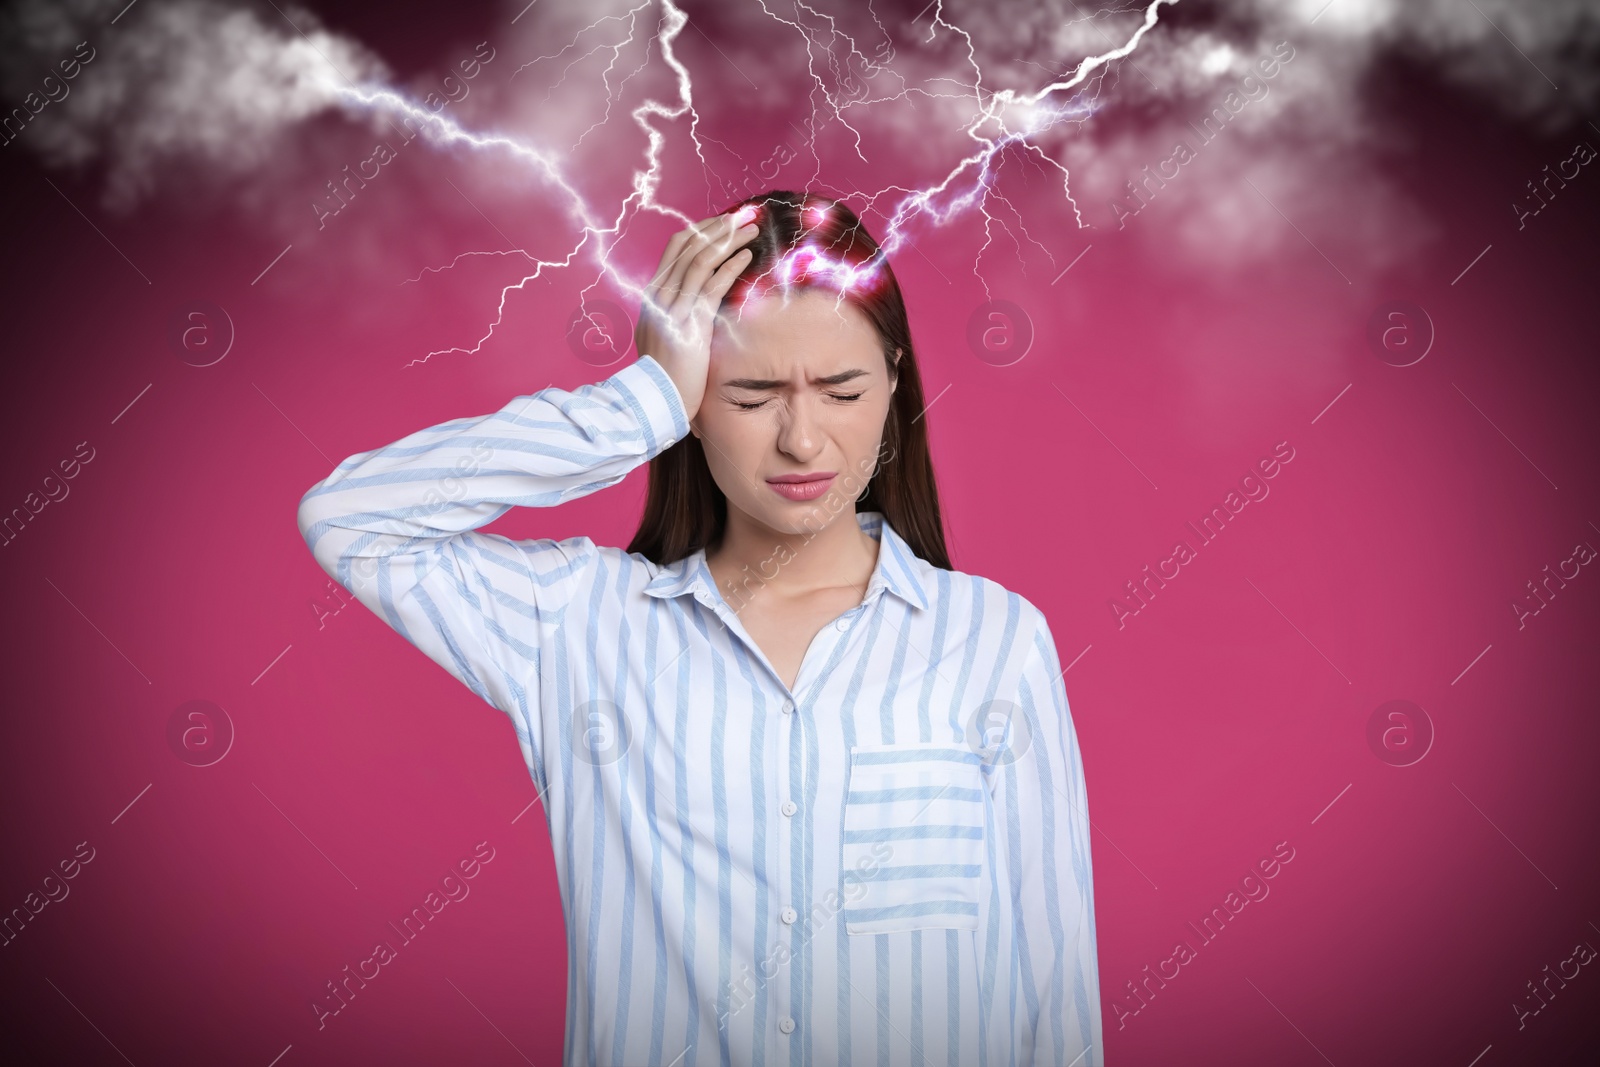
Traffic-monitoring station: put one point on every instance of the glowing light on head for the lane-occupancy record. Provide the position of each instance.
(809, 264)
(938, 204)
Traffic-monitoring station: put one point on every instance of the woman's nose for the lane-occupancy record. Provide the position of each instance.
(797, 430)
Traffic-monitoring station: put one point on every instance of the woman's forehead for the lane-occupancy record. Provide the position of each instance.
(788, 344)
(811, 315)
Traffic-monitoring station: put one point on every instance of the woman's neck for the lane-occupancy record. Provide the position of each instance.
(754, 556)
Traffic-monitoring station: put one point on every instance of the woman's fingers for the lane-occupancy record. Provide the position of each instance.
(681, 249)
(703, 264)
(659, 295)
(702, 304)
(700, 309)
(696, 242)
(723, 279)
(675, 242)
(700, 264)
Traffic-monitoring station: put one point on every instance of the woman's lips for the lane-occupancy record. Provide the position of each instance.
(809, 489)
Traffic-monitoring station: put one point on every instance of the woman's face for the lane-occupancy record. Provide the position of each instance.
(797, 385)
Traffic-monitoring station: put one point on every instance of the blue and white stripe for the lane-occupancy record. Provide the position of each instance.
(850, 872)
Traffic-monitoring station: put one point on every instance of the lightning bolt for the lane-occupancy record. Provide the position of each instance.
(1001, 119)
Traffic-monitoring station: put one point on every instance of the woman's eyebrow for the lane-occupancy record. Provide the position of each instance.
(778, 383)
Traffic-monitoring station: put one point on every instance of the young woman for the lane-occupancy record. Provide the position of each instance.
(815, 796)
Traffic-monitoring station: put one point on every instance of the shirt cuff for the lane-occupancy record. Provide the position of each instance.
(654, 397)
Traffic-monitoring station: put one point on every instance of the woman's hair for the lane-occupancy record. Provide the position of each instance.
(811, 241)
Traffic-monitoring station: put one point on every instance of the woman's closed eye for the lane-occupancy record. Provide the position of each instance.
(846, 398)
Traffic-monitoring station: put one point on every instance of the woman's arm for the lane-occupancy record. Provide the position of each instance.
(1053, 884)
(397, 525)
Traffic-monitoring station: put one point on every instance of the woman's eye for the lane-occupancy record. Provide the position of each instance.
(742, 406)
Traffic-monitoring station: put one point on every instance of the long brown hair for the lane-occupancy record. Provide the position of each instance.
(685, 511)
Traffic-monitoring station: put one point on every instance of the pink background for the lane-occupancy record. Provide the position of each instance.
(1230, 714)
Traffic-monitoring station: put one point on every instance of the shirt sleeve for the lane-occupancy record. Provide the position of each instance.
(397, 526)
(1052, 880)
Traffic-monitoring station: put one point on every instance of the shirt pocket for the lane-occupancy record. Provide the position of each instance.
(913, 846)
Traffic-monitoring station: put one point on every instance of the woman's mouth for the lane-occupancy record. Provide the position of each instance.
(801, 486)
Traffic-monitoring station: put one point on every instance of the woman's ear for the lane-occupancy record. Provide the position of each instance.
(894, 371)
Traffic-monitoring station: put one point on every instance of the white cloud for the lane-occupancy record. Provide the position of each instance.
(217, 89)
(175, 84)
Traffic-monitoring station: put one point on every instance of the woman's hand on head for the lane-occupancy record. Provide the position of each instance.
(681, 301)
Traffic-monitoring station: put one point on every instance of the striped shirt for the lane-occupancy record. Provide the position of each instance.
(886, 865)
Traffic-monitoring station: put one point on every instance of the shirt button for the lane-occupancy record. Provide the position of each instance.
(789, 916)
(789, 807)
(788, 706)
(786, 1024)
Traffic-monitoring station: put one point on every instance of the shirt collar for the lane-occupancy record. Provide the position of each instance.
(898, 570)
